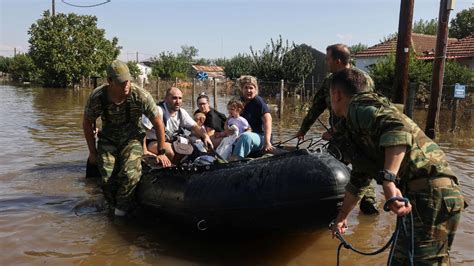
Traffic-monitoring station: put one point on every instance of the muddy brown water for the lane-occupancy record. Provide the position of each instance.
(41, 184)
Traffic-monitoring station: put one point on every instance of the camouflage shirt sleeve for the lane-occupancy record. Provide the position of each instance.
(93, 108)
(320, 103)
(149, 107)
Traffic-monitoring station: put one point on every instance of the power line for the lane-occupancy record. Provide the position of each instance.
(94, 5)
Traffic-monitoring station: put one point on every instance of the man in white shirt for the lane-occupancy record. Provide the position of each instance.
(175, 119)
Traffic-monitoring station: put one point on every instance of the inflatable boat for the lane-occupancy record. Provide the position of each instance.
(290, 189)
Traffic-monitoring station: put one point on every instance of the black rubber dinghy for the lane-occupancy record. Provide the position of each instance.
(296, 188)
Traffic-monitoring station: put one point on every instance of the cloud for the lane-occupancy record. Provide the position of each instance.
(344, 37)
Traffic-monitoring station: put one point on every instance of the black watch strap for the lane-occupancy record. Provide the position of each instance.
(161, 152)
(385, 175)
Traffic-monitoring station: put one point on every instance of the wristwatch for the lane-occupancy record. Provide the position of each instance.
(161, 152)
(385, 175)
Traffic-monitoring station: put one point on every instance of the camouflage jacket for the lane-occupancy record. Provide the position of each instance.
(120, 122)
(374, 123)
(322, 101)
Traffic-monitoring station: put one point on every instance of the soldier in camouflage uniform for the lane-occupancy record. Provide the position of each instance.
(120, 104)
(337, 59)
(393, 149)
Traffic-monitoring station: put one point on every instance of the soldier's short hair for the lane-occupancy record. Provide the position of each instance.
(350, 81)
(340, 51)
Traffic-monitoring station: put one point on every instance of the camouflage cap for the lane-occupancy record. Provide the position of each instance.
(118, 71)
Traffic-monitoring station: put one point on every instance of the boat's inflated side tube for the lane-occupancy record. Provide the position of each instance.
(248, 193)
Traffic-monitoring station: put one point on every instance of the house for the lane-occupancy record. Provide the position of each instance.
(213, 72)
(461, 51)
(423, 46)
(144, 72)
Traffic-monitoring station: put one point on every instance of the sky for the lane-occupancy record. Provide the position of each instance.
(221, 28)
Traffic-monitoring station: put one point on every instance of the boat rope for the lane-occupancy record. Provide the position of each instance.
(400, 226)
(283, 142)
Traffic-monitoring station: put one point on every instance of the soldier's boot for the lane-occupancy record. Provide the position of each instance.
(368, 206)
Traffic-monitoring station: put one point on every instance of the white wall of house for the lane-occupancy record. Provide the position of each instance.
(364, 62)
(143, 77)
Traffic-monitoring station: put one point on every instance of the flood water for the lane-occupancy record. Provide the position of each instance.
(42, 182)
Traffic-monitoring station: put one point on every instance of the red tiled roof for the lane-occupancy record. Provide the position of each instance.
(462, 48)
(208, 68)
(422, 44)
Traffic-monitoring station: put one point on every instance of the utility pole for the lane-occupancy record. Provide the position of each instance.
(14, 51)
(402, 59)
(438, 68)
(137, 57)
(53, 8)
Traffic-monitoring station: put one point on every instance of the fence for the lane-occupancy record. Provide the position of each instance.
(297, 96)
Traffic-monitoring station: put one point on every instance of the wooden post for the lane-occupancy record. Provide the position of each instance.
(312, 86)
(402, 59)
(215, 93)
(194, 94)
(454, 115)
(438, 71)
(410, 106)
(282, 94)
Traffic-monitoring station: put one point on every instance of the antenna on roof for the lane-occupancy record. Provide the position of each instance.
(93, 5)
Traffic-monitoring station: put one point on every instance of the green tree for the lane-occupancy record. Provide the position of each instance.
(5, 64)
(134, 70)
(241, 64)
(220, 61)
(298, 63)
(463, 24)
(383, 73)
(67, 47)
(188, 52)
(169, 65)
(268, 63)
(429, 27)
(456, 73)
(357, 48)
(22, 68)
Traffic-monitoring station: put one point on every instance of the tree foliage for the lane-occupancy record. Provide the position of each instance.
(357, 48)
(383, 73)
(241, 64)
(278, 60)
(268, 63)
(5, 64)
(298, 63)
(134, 69)
(22, 68)
(170, 65)
(463, 24)
(67, 47)
(429, 27)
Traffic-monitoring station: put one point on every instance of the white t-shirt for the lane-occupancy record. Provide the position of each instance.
(181, 119)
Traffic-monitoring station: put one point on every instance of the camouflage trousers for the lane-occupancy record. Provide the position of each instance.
(120, 169)
(436, 215)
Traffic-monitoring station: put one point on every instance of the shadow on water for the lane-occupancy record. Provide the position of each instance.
(162, 240)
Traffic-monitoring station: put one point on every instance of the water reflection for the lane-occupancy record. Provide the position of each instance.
(41, 181)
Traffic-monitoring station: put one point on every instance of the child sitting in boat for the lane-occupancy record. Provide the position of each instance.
(234, 127)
